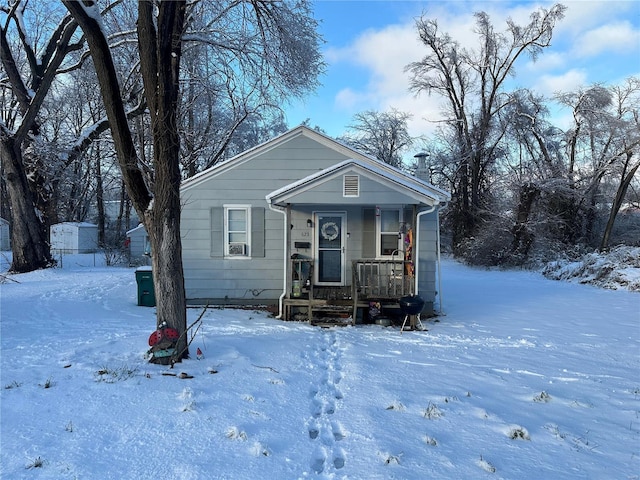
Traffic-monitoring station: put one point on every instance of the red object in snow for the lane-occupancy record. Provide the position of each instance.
(198, 352)
(155, 338)
(171, 334)
(167, 333)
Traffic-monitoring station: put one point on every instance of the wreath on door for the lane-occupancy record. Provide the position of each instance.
(330, 231)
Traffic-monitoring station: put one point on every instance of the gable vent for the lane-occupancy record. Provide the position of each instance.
(351, 186)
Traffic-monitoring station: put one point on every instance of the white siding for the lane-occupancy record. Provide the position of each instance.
(427, 249)
(137, 242)
(246, 180)
(5, 236)
(242, 280)
(74, 237)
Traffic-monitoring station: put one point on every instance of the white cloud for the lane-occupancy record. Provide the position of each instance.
(614, 37)
(565, 82)
(379, 57)
(382, 55)
(388, 49)
(594, 28)
(549, 61)
(427, 113)
(563, 118)
(582, 16)
(348, 99)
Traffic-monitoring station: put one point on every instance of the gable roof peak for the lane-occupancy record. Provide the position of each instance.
(295, 132)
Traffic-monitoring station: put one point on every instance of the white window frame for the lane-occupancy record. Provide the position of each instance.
(227, 243)
(379, 231)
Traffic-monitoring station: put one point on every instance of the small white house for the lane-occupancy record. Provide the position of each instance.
(311, 225)
(138, 243)
(5, 236)
(74, 237)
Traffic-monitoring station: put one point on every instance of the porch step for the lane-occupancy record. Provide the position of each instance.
(331, 315)
(332, 308)
(331, 322)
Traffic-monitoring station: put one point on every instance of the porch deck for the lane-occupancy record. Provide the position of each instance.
(372, 280)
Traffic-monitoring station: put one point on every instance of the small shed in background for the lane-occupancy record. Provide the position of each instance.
(138, 245)
(74, 237)
(5, 235)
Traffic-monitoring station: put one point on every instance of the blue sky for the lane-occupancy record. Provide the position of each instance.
(369, 42)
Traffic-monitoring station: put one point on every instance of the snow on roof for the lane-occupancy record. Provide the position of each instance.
(139, 227)
(377, 168)
(77, 224)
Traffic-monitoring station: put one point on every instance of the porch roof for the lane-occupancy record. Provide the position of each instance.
(380, 184)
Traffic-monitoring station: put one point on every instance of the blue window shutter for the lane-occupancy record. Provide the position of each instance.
(217, 232)
(368, 233)
(257, 232)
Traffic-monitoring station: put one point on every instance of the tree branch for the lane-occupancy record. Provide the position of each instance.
(15, 79)
(49, 73)
(112, 100)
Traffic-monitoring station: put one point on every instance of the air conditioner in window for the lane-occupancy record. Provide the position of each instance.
(237, 249)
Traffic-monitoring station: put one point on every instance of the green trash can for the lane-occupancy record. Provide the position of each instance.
(146, 293)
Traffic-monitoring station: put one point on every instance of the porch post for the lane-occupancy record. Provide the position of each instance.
(287, 252)
(414, 250)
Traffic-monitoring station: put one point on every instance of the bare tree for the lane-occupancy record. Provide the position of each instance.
(160, 44)
(472, 81)
(602, 148)
(383, 135)
(28, 79)
(43, 135)
(565, 181)
(625, 156)
(242, 60)
(536, 164)
(266, 48)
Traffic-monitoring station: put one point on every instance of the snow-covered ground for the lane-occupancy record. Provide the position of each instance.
(522, 378)
(618, 269)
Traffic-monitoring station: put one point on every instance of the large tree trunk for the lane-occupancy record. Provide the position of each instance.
(522, 235)
(166, 248)
(28, 238)
(29, 229)
(160, 52)
(625, 181)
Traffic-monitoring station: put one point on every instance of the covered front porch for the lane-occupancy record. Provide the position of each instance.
(357, 238)
(375, 284)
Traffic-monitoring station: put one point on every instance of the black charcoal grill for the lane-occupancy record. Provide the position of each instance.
(411, 305)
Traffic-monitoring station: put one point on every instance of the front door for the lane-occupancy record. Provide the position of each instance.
(330, 248)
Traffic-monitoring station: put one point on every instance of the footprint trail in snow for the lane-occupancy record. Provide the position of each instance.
(325, 431)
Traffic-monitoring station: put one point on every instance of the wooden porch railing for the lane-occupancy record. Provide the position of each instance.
(382, 279)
